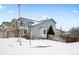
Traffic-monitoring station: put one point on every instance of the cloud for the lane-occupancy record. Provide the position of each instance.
(1, 7)
(10, 11)
(67, 24)
(75, 11)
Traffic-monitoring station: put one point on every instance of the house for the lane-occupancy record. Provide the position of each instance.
(12, 29)
(4, 28)
(40, 29)
(27, 27)
(59, 32)
(21, 25)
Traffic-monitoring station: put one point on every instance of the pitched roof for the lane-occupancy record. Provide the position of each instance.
(48, 20)
(43, 21)
(7, 23)
(35, 22)
(60, 30)
(13, 20)
(24, 19)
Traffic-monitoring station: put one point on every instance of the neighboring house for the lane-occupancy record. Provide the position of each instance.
(59, 32)
(4, 29)
(37, 29)
(8, 29)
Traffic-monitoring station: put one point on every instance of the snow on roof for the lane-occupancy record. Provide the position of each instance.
(22, 28)
(35, 23)
(42, 21)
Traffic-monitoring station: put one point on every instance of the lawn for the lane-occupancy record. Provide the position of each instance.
(10, 46)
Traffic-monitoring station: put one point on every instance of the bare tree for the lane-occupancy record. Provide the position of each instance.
(74, 32)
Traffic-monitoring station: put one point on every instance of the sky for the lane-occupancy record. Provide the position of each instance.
(65, 15)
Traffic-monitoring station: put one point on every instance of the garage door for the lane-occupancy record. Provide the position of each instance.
(11, 34)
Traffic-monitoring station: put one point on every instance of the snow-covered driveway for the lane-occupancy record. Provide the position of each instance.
(39, 47)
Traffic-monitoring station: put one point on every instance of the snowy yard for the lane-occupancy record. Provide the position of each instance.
(11, 46)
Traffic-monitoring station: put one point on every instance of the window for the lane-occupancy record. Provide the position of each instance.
(25, 31)
(44, 31)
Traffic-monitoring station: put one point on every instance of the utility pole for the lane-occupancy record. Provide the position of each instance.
(19, 32)
(19, 10)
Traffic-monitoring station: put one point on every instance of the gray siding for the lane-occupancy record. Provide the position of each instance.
(36, 28)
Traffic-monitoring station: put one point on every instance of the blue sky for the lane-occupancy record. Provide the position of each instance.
(66, 15)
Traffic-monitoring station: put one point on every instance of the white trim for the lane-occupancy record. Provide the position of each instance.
(42, 33)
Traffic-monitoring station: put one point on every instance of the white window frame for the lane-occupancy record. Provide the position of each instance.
(42, 33)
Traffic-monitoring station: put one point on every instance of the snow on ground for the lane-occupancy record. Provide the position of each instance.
(10, 46)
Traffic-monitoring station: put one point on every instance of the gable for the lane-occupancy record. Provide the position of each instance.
(45, 21)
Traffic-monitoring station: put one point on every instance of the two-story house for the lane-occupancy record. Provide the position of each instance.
(26, 26)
